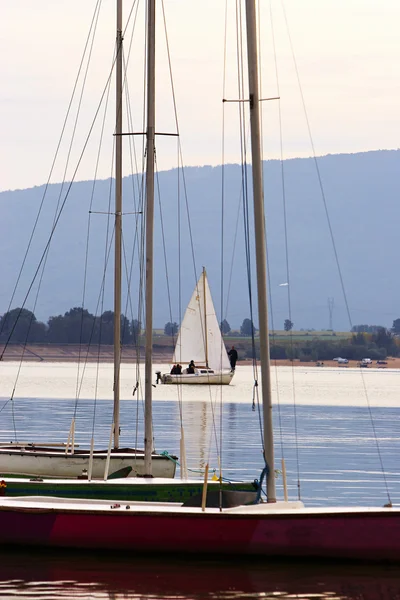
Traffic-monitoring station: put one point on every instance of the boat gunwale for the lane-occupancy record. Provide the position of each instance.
(58, 505)
(81, 454)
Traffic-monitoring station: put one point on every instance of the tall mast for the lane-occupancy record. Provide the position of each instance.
(150, 137)
(118, 225)
(205, 316)
(261, 257)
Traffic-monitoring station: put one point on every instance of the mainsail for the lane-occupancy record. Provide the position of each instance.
(199, 337)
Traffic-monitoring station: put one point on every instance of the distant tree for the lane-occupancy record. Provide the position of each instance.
(396, 326)
(365, 328)
(277, 352)
(126, 334)
(288, 325)
(105, 328)
(225, 327)
(247, 327)
(75, 327)
(359, 339)
(22, 325)
(383, 338)
(57, 332)
(171, 328)
(136, 329)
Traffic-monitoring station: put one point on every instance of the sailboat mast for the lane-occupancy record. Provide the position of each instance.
(261, 258)
(150, 137)
(205, 316)
(118, 225)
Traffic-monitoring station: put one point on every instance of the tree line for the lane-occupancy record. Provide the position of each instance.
(376, 346)
(76, 326)
(374, 328)
(247, 328)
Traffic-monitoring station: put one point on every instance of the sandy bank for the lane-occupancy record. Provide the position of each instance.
(74, 353)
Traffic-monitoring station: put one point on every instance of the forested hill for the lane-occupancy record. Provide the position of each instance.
(362, 197)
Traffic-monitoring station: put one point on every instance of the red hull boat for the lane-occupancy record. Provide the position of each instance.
(284, 529)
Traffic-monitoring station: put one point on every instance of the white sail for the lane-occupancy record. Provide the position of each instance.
(199, 337)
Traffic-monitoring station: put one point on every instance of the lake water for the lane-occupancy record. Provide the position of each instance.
(330, 441)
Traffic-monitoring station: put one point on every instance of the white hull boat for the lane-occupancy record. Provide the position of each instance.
(47, 460)
(200, 376)
(43, 461)
(200, 340)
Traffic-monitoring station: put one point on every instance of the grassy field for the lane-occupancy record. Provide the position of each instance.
(279, 335)
(300, 336)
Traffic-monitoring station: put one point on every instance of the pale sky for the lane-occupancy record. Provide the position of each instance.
(347, 53)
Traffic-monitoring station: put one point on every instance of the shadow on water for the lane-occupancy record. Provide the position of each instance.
(47, 575)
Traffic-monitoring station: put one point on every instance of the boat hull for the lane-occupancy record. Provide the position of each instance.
(362, 534)
(138, 489)
(198, 378)
(49, 463)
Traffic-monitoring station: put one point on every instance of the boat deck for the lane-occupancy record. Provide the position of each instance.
(262, 509)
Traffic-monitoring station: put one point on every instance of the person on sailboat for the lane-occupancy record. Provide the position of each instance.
(174, 370)
(233, 356)
(178, 369)
(191, 368)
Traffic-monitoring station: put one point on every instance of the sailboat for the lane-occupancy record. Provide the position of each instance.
(231, 525)
(200, 340)
(66, 460)
(59, 470)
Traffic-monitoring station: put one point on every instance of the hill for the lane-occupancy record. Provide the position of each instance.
(361, 192)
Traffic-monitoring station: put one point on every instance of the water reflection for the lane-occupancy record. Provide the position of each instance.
(333, 447)
(67, 575)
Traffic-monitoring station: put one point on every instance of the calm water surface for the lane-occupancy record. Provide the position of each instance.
(329, 442)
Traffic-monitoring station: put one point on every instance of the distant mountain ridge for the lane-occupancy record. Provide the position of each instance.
(362, 195)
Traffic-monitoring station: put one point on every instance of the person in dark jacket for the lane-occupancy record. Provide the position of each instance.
(233, 356)
(191, 368)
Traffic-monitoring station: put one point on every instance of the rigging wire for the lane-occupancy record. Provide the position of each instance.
(222, 220)
(80, 380)
(336, 255)
(99, 303)
(104, 267)
(139, 235)
(75, 171)
(186, 204)
(245, 184)
(90, 39)
(96, 9)
(284, 206)
(245, 205)
(180, 148)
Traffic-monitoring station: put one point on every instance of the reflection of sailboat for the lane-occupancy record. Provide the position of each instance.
(200, 341)
(271, 528)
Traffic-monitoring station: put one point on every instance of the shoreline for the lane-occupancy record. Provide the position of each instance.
(76, 353)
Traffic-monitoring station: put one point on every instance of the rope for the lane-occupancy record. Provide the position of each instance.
(264, 474)
(287, 276)
(330, 228)
(199, 471)
(185, 196)
(48, 179)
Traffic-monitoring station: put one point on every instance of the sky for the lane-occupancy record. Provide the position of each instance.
(347, 54)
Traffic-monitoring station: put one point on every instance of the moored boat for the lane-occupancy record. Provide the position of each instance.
(276, 530)
(138, 489)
